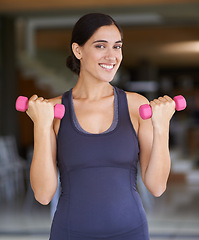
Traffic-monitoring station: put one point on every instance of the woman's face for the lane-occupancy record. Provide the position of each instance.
(101, 55)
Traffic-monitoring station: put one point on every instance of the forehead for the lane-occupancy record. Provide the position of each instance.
(109, 33)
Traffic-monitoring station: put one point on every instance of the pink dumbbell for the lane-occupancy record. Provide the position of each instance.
(146, 111)
(22, 106)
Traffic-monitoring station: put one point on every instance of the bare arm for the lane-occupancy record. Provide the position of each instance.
(43, 171)
(153, 135)
(154, 145)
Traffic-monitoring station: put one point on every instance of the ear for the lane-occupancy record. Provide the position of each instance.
(76, 50)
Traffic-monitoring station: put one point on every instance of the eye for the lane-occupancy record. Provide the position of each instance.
(117, 47)
(100, 46)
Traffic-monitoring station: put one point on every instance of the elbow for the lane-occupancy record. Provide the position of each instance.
(44, 200)
(158, 191)
(44, 195)
(155, 187)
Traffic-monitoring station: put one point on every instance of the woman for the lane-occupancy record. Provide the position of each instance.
(98, 143)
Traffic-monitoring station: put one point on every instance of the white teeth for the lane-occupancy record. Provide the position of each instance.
(106, 66)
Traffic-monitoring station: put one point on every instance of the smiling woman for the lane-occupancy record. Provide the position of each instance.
(84, 30)
(98, 143)
(100, 58)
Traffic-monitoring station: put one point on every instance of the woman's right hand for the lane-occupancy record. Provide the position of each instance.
(41, 111)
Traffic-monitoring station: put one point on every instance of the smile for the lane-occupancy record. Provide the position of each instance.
(107, 66)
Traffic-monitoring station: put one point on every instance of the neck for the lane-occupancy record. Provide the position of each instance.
(91, 89)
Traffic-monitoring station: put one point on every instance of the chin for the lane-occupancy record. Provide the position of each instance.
(107, 78)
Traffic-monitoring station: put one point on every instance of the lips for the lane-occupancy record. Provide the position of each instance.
(107, 66)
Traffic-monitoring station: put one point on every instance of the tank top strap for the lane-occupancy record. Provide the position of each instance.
(66, 120)
(123, 105)
(66, 102)
(65, 97)
(123, 111)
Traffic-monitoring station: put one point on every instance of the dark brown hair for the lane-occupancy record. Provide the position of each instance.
(83, 30)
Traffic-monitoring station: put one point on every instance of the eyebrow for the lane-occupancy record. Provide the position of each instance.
(106, 41)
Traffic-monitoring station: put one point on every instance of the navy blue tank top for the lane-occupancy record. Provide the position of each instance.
(99, 199)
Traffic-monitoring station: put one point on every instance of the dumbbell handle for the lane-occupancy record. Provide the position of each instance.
(22, 106)
(146, 111)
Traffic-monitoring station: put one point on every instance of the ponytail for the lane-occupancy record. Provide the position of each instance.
(73, 64)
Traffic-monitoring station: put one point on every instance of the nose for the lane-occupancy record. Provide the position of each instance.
(110, 54)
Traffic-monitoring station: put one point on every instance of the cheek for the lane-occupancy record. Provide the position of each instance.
(89, 58)
(120, 56)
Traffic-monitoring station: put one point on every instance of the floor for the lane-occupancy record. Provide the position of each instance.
(175, 215)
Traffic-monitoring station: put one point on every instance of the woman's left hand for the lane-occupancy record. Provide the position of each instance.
(163, 109)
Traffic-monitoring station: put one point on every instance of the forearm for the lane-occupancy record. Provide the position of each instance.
(43, 172)
(158, 169)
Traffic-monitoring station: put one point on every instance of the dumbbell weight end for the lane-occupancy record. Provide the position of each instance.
(22, 105)
(146, 111)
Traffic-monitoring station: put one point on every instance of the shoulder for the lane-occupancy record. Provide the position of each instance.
(55, 100)
(135, 100)
(59, 99)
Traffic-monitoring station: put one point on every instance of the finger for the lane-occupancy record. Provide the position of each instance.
(162, 99)
(41, 99)
(155, 102)
(33, 98)
(170, 101)
(168, 98)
